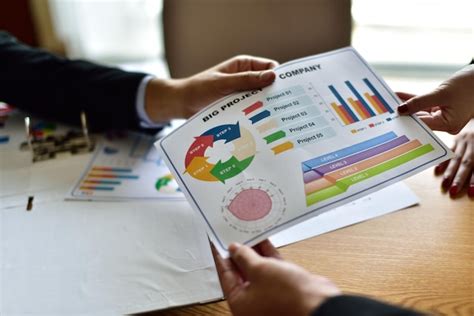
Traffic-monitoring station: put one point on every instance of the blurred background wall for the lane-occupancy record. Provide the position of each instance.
(405, 39)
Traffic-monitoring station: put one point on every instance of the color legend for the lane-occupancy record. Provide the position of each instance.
(332, 174)
(360, 106)
(289, 119)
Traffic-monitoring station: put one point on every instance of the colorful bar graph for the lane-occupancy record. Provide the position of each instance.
(105, 178)
(378, 95)
(343, 104)
(332, 174)
(360, 105)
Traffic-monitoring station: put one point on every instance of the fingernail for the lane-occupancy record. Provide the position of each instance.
(437, 170)
(453, 190)
(445, 184)
(403, 109)
(470, 191)
(266, 75)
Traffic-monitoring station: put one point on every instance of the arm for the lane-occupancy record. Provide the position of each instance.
(59, 89)
(261, 283)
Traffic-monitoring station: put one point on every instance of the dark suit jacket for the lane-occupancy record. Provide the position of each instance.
(359, 306)
(57, 88)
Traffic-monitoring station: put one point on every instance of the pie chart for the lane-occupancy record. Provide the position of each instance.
(251, 205)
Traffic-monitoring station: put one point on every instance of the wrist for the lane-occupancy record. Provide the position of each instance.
(163, 100)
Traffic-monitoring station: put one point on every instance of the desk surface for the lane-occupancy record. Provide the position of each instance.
(421, 257)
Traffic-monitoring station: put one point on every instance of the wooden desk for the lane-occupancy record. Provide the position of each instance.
(421, 257)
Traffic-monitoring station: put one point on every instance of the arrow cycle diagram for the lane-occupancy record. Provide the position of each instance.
(197, 164)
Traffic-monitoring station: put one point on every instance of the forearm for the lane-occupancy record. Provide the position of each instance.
(58, 88)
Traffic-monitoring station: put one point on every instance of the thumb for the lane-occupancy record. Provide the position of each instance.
(247, 80)
(245, 258)
(421, 102)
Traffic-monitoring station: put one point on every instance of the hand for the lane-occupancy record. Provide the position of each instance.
(449, 107)
(181, 98)
(459, 171)
(266, 285)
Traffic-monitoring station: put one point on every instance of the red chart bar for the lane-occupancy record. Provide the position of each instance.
(382, 106)
(257, 105)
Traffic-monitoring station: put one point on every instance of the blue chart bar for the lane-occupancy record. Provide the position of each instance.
(343, 103)
(377, 94)
(360, 98)
(333, 156)
(260, 116)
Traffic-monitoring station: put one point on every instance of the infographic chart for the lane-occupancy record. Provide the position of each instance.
(126, 167)
(333, 173)
(242, 153)
(325, 133)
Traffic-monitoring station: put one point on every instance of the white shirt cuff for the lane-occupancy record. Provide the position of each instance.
(145, 120)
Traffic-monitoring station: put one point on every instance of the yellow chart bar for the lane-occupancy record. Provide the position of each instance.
(339, 112)
(282, 147)
(374, 103)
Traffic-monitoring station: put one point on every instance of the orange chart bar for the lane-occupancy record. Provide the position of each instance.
(340, 113)
(282, 147)
(359, 108)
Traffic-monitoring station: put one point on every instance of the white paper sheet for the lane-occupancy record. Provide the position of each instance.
(103, 258)
(390, 199)
(325, 133)
(126, 168)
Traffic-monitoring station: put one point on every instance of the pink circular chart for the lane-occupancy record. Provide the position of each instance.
(251, 205)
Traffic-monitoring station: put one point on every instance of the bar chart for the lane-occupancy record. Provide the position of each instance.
(332, 174)
(360, 105)
(100, 178)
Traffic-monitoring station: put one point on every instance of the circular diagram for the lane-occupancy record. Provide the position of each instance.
(244, 148)
(253, 205)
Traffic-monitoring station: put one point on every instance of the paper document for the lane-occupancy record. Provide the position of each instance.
(390, 199)
(104, 258)
(126, 168)
(326, 132)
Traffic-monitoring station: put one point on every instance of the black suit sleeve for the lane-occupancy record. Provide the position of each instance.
(359, 306)
(57, 88)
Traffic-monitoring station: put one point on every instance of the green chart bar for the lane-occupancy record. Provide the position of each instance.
(341, 186)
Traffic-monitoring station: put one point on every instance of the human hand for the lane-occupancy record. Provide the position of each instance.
(181, 98)
(264, 284)
(447, 108)
(459, 171)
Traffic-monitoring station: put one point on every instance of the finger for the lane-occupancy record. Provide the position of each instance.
(453, 166)
(266, 249)
(421, 102)
(245, 258)
(249, 80)
(439, 169)
(246, 63)
(470, 191)
(404, 96)
(228, 275)
(464, 171)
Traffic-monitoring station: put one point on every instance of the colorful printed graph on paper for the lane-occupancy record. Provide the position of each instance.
(289, 119)
(360, 105)
(332, 174)
(127, 167)
(241, 155)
